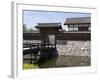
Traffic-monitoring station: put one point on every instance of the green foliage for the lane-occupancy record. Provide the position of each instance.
(26, 29)
(30, 30)
(30, 66)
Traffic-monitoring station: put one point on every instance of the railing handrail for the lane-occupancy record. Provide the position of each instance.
(38, 45)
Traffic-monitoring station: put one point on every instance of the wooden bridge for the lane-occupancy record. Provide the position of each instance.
(36, 50)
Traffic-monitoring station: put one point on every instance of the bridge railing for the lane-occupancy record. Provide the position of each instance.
(38, 45)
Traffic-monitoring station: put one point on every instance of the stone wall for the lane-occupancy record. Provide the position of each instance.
(76, 48)
(68, 47)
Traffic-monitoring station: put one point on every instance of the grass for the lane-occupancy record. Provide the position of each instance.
(30, 66)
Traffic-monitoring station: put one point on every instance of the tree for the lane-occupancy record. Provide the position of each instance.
(24, 28)
(27, 29)
(30, 30)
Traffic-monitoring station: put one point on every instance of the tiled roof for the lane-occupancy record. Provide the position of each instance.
(48, 25)
(80, 20)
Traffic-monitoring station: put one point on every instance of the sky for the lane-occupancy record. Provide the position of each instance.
(31, 18)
